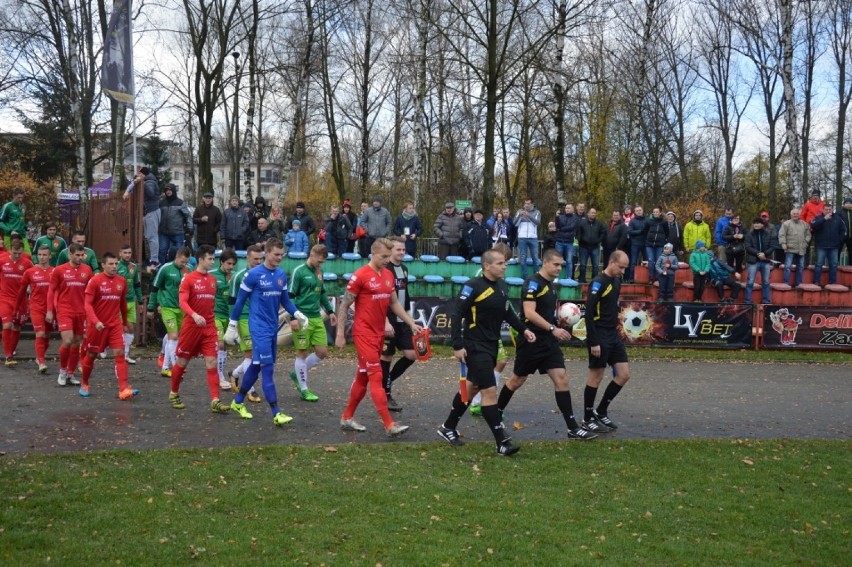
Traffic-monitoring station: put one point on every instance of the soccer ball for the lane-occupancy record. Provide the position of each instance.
(569, 315)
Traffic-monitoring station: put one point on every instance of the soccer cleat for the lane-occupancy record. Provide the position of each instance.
(395, 430)
(253, 397)
(63, 378)
(308, 396)
(217, 406)
(84, 391)
(73, 380)
(128, 393)
(476, 411)
(241, 409)
(506, 448)
(604, 419)
(451, 436)
(295, 380)
(235, 383)
(129, 359)
(281, 418)
(102, 355)
(224, 385)
(583, 434)
(595, 426)
(42, 367)
(175, 400)
(11, 361)
(167, 372)
(351, 425)
(161, 359)
(393, 405)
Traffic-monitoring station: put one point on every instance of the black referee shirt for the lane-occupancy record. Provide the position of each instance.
(602, 307)
(481, 308)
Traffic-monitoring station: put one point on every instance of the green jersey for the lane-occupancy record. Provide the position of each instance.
(236, 280)
(222, 310)
(130, 272)
(56, 245)
(166, 286)
(91, 259)
(12, 219)
(307, 291)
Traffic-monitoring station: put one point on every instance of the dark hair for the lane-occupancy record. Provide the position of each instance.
(109, 256)
(125, 246)
(186, 252)
(550, 254)
(74, 247)
(204, 250)
(226, 255)
(79, 233)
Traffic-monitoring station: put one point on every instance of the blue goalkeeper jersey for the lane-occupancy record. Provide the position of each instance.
(266, 292)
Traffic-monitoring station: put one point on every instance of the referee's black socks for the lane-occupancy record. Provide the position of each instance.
(400, 367)
(610, 393)
(459, 407)
(563, 402)
(492, 418)
(505, 397)
(589, 395)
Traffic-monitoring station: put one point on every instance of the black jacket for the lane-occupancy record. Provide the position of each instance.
(758, 241)
(655, 232)
(616, 237)
(339, 228)
(590, 234)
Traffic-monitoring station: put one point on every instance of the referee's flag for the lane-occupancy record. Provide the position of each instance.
(117, 70)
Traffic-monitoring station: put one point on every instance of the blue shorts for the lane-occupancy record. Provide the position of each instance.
(264, 349)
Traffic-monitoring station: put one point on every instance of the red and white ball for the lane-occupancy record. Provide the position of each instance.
(569, 315)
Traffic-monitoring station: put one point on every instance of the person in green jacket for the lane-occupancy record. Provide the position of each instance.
(222, 308)
(12, 220)
(699, 261)
(55, 243)
(165, 299)
(130, 272)
(91, 259)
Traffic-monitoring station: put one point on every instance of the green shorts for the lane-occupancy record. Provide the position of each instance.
(172, 318)
(131, 312)
(221, 327)
(245, 336)
(313, 335)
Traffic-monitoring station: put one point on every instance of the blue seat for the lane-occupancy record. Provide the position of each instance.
(297, 255)
(568, 282)
(512, 262)
(408, 258)
(476, 259)
(459, 279)
(515, 281)
(411, 278)
(240, 253)
(429, 258)
(350, 256)
(329, 276)
(456, 259)
(431, 278)
(331, 256)
(346, 276)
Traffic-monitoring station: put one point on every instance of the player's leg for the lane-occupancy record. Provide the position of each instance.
(66, 335)
(221, 353)
(128, 335)
(492, 416)
(597, 366)
(562, 392)
(622, 375)
(78, 326)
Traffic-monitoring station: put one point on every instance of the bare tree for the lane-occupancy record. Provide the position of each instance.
(840, 18)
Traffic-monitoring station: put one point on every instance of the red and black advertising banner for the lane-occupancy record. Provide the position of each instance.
(807, 327)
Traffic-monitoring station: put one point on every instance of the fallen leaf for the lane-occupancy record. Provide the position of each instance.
(748, 461)
(330, 449)
(517, 426)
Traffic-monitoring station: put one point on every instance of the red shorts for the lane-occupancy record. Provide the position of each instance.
(97, 342)
(369, 349)
(39, 324)
(9, 312)
(71, 322)
(194, 340)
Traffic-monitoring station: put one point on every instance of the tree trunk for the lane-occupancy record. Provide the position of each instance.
(790, 111)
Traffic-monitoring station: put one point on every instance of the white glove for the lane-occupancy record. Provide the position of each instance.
(232, 335)
(302, 319)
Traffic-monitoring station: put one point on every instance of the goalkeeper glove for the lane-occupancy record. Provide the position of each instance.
(302, 319)
(232, 335)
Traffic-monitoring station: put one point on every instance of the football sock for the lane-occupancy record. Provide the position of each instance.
(492, 417)
(589, 395)
(505, 397)
(301, 373)
(222, 356)
(88, 364)
(459, 407)
(563, 402)
(171, 347)
(73, 359)
(357, 391)
(41, 348)
(16, 337)
(121, 372)
(386, 379)
(312, 360)
(400, 367)
(177, 377)
(128, 340)
(242, 369)
(7, 343)
(64, 352)
(213, 383)
(477, 399)
(380, 398)
(268, 384)
(610, 393)
(497, 376)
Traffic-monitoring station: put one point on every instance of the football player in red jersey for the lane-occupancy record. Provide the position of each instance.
(11, 278)
(65, 303)
(106, 316)
(37, 279)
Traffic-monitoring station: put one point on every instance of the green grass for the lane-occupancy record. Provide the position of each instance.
(605, 503)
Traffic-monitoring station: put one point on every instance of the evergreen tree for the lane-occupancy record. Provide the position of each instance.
(155, 154)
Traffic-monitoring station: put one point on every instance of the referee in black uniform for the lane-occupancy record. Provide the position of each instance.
(544, 355)
(399, 335)
(604, 343)
(483, 305)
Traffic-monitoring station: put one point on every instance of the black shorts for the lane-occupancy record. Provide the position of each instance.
(612, 351)
(402, 339)
(480, 365)
(542, 355)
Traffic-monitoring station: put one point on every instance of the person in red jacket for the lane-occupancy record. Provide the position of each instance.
(813, 208)
(11, 277)
(106, 315)
(37, 279)
(65, 300)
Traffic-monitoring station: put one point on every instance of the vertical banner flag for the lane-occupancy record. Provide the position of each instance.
(117, 70)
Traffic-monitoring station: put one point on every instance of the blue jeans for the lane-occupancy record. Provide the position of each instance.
(585, 254)
(789, 257)
(335, 246)
(167, 242)
(567, 251)
(527, 248)
(652, 254)
(765, 268)
(635, 251)
(832, 255)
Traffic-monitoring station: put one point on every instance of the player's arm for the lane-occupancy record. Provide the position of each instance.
(592, 302)
(89, 304)
(153, 298)
(22, 293)
(463, 304)
(400, 312)
(55, 278)
(122, 307)
(291, 308)
(512, 318)
(343, 315)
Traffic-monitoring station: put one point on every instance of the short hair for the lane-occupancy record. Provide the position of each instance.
(16, 245)
(73, 248)
(335, 208)
(319, 250)
(502, 248)
(126, 246)
(381, 243)
(204, 250)
(618, 256)
(186, 252)
(50, 225)
(274, 243)
(491, 256)
(44, 247)
(226, 255)
(550, 254)
(109, 256)
(255, 248)
(79, 233)
(397, 239)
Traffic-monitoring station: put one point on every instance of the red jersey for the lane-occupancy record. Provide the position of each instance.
(38, 280)
(11, 277)
(197, 294)
(68, 288)
(5, 256)
(372, 291)
(105, 300)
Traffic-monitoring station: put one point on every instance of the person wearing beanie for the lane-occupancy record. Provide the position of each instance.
(759, 250)
(699, 262)
(175, 224)
(665, 266)
(376, 221)
(408, 226)
(307, 223)
(296, 239)
(696, 230)
(845, 214)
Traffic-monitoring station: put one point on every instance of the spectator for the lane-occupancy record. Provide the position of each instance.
(734, 238)
(526, 221)
(773, 234)
(259, 211)
(665, 267)
(699, 262)
(758, 246)
(674, 235)
(261, 234)
(338, 229)
(151, 209)
(447, 229)
(696, 230)
(590, 234)
(566, 227)
(493, 218)
(296, 239)
(500, 228)
(581, 211)
(408, 226)
(305, 221)
(512, 232)
(376, 220)
(721, 224)
(636, 234)
(794, 238)
(208, 221)
(829, 235)
(628, 214)
(235, 224)
(845, 215)
(655, 240)
(812, 208)
(353, 220)
(467, 219)
(549, 240)
(175, 223)
(478, 235)
(55, 243)
(721, 275)
(12, 221)
(276, 222)
(616, 237)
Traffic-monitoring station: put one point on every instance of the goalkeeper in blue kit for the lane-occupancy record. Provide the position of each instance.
(265, 288)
